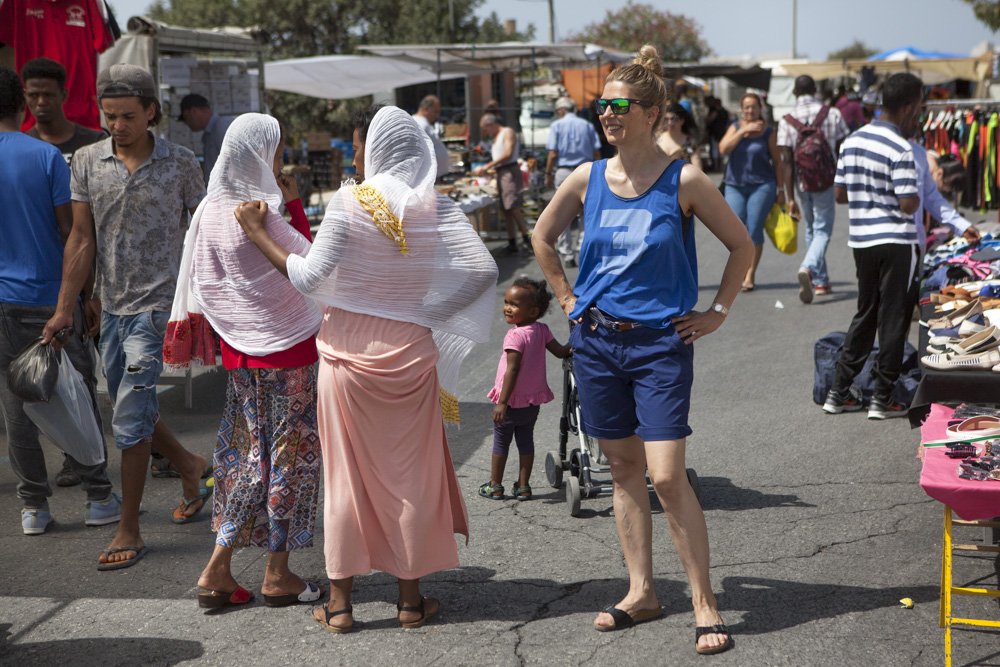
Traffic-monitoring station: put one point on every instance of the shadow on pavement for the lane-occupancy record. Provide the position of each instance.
(123, 651)
(719, 493)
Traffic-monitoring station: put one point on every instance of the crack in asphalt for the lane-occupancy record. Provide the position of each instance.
(568, 590)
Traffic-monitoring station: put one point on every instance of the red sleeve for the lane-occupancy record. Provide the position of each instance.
(99, 29)
(7, 22)
(299, 220)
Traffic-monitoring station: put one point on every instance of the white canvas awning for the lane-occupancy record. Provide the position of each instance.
(502, 55)
(346, 77)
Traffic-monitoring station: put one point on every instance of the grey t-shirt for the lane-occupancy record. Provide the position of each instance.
(140, 220)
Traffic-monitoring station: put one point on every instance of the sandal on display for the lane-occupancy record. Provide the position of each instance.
(186, 503)
(523, 492)
(325, 622)
(311, 593)
(718, 629)
(220, 599)
(487, 490)
(424, 615)
(139, 553)
(625, 620)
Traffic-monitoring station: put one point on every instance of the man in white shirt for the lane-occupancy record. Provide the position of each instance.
(572, 142)
(817, 208)
(427, 114)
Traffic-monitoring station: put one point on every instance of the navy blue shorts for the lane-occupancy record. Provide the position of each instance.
(632, 382)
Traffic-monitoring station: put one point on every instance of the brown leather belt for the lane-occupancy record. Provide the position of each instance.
(600, 318)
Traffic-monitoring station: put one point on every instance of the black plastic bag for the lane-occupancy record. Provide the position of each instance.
(33, 373)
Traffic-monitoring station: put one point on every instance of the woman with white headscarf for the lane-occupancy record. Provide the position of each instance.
(267, 461)
(408, 287)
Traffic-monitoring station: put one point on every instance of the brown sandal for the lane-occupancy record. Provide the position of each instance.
(423, 614)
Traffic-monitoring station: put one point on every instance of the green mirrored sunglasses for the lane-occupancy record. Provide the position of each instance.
(619, 105)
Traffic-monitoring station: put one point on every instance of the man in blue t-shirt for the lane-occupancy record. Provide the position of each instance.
(37, 219)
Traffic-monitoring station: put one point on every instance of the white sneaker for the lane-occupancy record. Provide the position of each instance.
(35, 522)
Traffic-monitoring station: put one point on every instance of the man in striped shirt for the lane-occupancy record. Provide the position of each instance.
(877, 178)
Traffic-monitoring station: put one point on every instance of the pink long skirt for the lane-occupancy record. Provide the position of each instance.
(392, 499)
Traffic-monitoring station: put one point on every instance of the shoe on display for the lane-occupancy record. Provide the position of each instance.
(984, 361)
(984, 340)
(973, 325)
(837, 403)
(882, 408)
(805, 286)
(66, 476)
(956, 317)
(35, 522)
(101, 514)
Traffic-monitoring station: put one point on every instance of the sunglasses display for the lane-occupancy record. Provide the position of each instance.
(619, 105)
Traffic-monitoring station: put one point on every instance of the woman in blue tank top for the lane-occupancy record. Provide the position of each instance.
(634, 300)
(752, 175)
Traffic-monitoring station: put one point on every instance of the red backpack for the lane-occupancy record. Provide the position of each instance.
(814, 160)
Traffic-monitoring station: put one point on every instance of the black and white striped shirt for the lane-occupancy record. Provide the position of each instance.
(877, 168)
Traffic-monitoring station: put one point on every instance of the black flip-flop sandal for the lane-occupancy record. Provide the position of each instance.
(625, 620)
(423, 613)
(717, 629)
(349, 609)
(179, 517)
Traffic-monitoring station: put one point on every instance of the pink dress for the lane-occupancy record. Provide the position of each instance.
(531, 387)
(392, 498)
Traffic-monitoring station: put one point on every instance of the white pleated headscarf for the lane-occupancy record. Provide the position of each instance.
(247, 301)
(395, 248)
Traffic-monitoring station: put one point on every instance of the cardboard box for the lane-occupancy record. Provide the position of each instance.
(176, 72)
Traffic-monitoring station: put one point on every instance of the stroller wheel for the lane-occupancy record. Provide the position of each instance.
(553, 469)
(573, 495)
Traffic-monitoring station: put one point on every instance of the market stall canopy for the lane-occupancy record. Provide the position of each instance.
(194, 40)
(931, 70)
(346, 77)
(911, 53)
(502, 55)
(748, 77)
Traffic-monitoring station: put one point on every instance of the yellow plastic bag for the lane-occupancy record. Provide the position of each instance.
(781, 229)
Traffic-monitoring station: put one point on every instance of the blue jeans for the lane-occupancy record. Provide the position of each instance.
(132, 351)
(752, 203)
(818, 210)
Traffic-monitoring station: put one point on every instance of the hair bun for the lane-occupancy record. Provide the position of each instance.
(650, 59)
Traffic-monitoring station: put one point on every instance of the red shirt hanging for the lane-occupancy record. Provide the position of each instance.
(71, 32)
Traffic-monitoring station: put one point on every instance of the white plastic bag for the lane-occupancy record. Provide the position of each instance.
(68, 417)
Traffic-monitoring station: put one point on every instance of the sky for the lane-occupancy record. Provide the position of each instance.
(735, 28)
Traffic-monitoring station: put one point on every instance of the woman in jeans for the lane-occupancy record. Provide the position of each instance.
(752, 175)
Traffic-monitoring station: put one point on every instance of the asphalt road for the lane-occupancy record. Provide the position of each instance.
(818, 528)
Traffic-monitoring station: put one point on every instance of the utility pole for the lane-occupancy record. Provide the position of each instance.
(795, 6)
(552, 23)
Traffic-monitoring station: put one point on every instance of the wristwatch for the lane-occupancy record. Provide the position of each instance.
(719, 308)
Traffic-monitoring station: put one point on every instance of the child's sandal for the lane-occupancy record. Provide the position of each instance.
(492, 492)
(523, 492)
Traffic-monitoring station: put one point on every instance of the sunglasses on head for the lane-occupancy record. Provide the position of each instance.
(619, 105)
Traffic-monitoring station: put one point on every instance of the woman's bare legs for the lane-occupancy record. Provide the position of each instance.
(340, 598)
(409, 596)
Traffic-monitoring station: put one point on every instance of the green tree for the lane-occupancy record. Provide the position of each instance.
(303, 28)
(856, 49)
(987, 11)
(676, 37)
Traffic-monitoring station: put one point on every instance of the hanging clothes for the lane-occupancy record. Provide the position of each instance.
(71, 32)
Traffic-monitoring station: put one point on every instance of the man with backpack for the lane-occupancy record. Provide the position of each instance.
(808, 139)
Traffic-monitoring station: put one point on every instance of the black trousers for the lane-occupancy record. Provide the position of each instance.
(885, 277)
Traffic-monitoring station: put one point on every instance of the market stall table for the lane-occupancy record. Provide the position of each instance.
(975, 503)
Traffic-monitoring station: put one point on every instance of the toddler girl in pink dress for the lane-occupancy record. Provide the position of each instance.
(520, 386)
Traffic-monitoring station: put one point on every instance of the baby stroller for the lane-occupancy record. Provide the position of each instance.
(585, 457)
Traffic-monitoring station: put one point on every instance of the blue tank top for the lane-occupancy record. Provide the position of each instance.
(750, 161)
(638, 261)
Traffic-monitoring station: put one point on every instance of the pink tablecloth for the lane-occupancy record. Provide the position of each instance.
(971, 500)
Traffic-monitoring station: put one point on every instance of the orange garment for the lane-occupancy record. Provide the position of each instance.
(392, 498)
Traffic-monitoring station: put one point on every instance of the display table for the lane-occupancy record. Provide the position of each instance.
(974, 502)
(948, 386)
